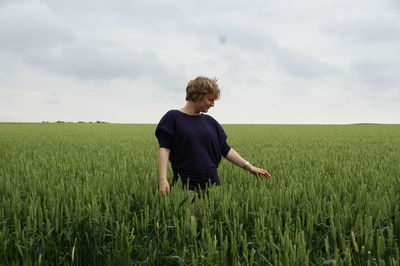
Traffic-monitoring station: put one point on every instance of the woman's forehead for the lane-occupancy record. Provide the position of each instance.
(211, 95)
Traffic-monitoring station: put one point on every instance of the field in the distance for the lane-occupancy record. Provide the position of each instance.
(88, 194)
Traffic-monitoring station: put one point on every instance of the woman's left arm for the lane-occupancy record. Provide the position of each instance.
(235, 158)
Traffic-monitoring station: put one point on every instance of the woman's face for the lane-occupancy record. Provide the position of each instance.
(205, 103)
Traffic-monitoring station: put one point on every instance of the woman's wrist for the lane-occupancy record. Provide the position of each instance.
(246, 165)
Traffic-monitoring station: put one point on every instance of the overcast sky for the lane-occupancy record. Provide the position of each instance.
(309, 61)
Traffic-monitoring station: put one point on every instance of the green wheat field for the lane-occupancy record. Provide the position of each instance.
(87, 194)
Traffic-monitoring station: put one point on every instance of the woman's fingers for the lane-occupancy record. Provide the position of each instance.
(263, 173)
(164, 188)
(268, 175)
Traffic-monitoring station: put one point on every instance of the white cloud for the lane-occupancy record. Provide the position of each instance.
(90, 61)
(299, 64)
(367, 30)
(129, 61)
(36, 34)
(378, 76)
(30, 26)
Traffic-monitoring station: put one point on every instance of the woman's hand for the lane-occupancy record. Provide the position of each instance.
(235, 158)
(258, 171)
(162, 160)
(164, 187)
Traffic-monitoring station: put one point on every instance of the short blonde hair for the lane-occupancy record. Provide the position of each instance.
(200, 86)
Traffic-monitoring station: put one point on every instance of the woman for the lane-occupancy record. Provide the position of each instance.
(194, 142)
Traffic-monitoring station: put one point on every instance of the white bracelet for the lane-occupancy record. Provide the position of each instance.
(245, 164)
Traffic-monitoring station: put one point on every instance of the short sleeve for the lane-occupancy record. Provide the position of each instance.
(222, 137)
(165, 131)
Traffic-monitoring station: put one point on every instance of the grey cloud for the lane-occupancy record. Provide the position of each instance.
(372, 30)
(259, 44)
(34, 33)
(245, 34)
(91, 61)
(151, 9)
(298, 64)
(395, 4)
(38, 96)
(249, 38)
(52, 101)
(152, 14)
(377, 75)
(26, 27)
(87, 60)
(7, 2)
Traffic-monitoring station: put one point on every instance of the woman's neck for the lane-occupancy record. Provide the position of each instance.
(190, 109)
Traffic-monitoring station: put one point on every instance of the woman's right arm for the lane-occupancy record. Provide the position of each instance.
(163, 157)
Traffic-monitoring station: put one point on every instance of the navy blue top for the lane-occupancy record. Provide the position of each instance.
(197, 143)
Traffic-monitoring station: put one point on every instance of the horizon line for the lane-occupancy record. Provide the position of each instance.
(147, 123)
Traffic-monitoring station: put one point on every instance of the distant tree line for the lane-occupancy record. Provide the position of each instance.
(81, 122)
